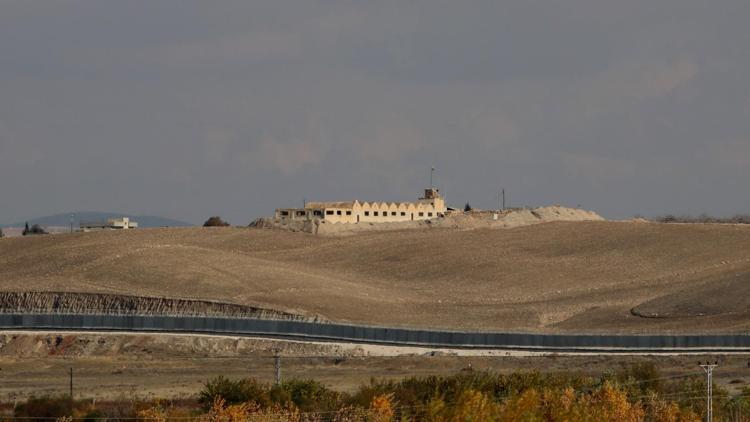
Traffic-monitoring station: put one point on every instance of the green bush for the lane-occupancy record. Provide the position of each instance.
(44, 407)
(641, 379)
(234, 391)
(215, 221)
(35, 229)
(310, 395)
(94, 416)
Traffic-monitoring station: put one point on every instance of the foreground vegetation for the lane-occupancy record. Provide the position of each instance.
(639, 393)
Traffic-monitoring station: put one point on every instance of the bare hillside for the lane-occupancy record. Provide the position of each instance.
(572, 276)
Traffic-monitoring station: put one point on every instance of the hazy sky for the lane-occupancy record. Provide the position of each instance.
(188, 109)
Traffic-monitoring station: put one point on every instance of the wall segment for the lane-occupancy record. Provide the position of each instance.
(377, 335)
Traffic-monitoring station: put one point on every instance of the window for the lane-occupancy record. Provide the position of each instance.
(348, 213)
(338, 212)
(329, 212)
(403, 213)
(393, 212)
(429, 214)
(421, 214)
(317, 212)
(367, 213)
(284, 212)
(385, 213)
(300, 213)
(375, 213)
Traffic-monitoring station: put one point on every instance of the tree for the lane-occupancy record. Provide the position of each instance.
(467, 207)
(215, 221)
(35, 229)
(1, 233)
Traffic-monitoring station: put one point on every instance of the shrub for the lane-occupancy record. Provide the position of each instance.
(215, 221)
(93, 416)
(704, 218)
(234, 391)
(641, 378)
(310, 395)
(1, 233)
(35, 229)
(44, 407)
(467, 207)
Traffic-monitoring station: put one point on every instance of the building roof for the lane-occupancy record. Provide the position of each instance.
(325, 205)
(347, 205)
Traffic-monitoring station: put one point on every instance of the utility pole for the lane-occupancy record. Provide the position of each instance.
(278, 368)
(72, 217)
(71, 392)
(502, 195)
(709, 369)
(432, 170)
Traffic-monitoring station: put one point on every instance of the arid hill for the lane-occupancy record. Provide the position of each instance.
(560, 276)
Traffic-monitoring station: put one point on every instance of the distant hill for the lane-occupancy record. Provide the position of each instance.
(582, 277)
(63, 220)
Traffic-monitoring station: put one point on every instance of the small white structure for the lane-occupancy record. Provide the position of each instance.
(122, 223)
(430, 206)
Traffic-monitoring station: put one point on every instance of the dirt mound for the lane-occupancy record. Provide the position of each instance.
(515, 217)
(29, 344)
(137, 305)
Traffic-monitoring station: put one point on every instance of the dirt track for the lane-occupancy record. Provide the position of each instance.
(565, 276)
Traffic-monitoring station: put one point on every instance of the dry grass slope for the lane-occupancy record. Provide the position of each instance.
(563, 276)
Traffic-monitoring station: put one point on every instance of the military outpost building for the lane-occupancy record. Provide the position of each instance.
(430, 206)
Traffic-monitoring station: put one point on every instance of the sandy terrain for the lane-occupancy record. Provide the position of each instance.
(560, 276)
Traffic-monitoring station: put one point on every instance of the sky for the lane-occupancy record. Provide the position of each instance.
(187, 109)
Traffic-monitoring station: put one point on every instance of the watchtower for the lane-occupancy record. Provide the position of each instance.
(432, 196)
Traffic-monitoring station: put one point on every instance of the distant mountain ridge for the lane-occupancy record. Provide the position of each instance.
(63, 220)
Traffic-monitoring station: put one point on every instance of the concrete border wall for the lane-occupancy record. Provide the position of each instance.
(378, 335)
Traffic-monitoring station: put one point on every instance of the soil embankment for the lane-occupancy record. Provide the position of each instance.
(91, 303)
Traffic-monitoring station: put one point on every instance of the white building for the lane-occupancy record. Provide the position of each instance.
(122, 223)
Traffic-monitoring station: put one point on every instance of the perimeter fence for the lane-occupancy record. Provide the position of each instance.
(315, 331)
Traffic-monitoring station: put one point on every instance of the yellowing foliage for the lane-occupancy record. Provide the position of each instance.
(155, 413)
(605, 404)
(474, 406)
(662, 411)
(381, 408)
(466, 397)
